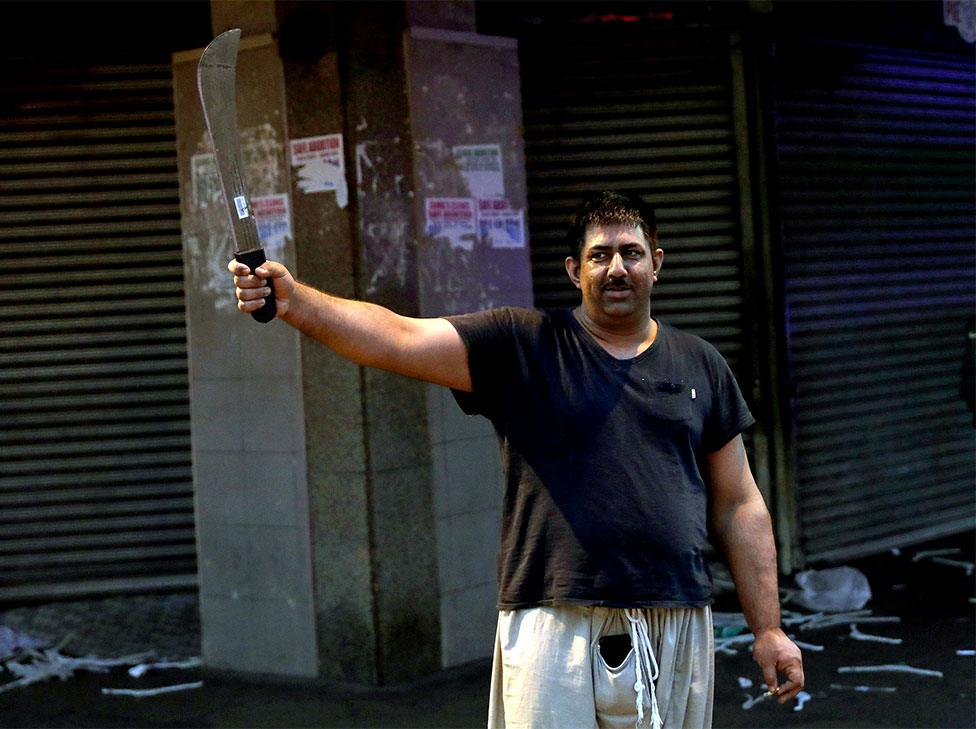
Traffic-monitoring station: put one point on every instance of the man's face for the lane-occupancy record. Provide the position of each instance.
(615, 272)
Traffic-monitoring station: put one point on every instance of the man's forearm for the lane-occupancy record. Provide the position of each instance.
(426, 349)
(746, 537)
(362, 332)
(741, 526)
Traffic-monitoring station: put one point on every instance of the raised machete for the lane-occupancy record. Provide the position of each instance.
(216, 81)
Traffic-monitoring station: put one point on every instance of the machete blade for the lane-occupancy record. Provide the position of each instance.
(217, 83)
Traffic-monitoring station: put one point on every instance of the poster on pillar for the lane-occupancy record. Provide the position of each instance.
(321, 165)
(454, 218)
(272, 215)
(205, 181)
(501, 225)
(481, 167)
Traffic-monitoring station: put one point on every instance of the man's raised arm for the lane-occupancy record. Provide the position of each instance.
(364, 333)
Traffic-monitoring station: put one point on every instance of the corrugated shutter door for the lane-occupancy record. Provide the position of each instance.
(649, 111)
(95, 476)
(876, 167)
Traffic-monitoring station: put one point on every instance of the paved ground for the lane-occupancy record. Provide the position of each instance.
(934, 602)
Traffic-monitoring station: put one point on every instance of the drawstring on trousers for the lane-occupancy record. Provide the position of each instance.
(646, 666)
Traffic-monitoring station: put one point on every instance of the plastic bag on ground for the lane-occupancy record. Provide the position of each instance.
(833, 590)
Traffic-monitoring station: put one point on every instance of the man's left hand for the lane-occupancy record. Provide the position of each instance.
(777, 655)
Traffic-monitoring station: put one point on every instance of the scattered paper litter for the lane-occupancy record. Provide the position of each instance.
(858, 635)
(929, 553)
(816, 621)
(890, 668)
(864, 689)
(745, 682)
(807, 646)
(801, 698)
(968, 566)
(139, 693)
(142, 668)
(727, 625)
(724, 645)
(13, 640)
(36, 666)
(966, 652)
(750, 701)
(29, 666)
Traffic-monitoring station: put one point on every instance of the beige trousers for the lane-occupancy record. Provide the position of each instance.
(548, 671)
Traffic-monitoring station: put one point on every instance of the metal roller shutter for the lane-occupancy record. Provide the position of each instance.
(650, 111)
(876, 168)
(95, 478)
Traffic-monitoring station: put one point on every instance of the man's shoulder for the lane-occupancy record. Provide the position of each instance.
(691, 345)
(503, 316)
(503, 324)
(683, 338)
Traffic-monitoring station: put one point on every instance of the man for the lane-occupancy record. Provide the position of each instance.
(621, 438)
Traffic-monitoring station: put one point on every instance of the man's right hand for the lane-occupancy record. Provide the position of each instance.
(253, 286)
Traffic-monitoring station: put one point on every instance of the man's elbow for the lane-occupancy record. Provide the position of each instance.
(746, 512)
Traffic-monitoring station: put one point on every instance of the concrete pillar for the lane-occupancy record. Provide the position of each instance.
(465, 105)
(247, 408)
(393, 496)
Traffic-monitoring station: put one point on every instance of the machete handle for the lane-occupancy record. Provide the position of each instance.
(252, 259)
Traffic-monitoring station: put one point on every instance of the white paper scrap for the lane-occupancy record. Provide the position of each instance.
(801, 698)
(864, 689)
(139, 693)
(929, 553)
(968, 566)
(750, 701)
(858, 635)
(891, 668)
(807, 646)
(142, 668)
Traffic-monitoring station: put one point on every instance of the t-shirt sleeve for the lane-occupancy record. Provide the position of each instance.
(488, 337)
(729, 413)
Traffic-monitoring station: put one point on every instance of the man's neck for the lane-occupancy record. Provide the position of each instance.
(623, 340)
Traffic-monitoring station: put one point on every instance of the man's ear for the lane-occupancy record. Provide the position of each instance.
(573, 270)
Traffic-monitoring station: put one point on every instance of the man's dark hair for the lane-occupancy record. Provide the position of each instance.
(610, 208)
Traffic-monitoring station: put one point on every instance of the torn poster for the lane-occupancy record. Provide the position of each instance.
(501, 225)
(272, 216)
(321, 165)
(453, 218)
(481, 168)
(204, 180)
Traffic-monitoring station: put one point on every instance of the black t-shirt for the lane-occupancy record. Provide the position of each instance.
(604, 502)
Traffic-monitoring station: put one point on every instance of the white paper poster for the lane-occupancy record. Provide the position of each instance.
(272, 216)
(503, 226)
(205, 182)
(481, 167)
(454, 218)
(321, 165)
